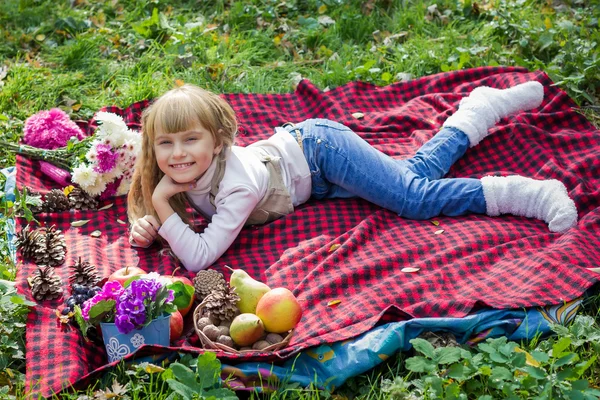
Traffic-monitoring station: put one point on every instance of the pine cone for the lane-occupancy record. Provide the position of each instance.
(34, 201)
(30, 241)
(221, 304)
(84, 274)
(53, 253)
(79, 199)
(206, 281)
(56, 201)
(45, 284)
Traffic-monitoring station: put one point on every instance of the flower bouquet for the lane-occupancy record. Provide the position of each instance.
(129, 316)
(101, 164)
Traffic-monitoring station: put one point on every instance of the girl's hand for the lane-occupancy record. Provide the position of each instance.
(167, 188)
(144, 231)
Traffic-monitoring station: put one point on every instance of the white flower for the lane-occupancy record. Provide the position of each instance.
(123, 187)
(133, 141)
(111, 122)
(116, 138)
(92, 154)
(84, 176)
(157, 277)
(97, 188)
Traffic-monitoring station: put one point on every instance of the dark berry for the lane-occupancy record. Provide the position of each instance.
(71, 301)
(91, 293)
(81, 290)
(65, 311)
(80, 298)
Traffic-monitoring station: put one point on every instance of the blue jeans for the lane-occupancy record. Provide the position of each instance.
(343, 165)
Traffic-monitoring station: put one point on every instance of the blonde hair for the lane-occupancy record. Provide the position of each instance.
(176, 111)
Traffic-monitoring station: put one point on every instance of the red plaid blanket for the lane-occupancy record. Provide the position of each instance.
(477, 261)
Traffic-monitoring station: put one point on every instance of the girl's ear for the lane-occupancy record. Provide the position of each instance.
(219, 147)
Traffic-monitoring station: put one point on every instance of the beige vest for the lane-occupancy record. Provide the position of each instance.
(277, 201)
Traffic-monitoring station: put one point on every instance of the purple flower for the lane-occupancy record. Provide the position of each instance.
(50, 129)
(131, 305)
(124, 325)
(134, 305)
(145, 288)
(107, 159)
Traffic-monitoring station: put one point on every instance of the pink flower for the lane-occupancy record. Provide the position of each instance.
(111, 189)
(50, 129)
(106, 158)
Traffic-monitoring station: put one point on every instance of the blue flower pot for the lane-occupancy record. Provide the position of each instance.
(118, 344)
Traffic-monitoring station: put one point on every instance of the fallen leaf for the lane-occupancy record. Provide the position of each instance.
(436, 223)
(528, 357)
(151, 368)
(3, 72)
(40, 37)
(63, 319)
(76, 107)
(106, 207)
(118, 391)
(68, 190)
(179, 83)
(333, 302)
(358, 115)
(326, 20)
(322, 9)
(121, 222)
(81, 222)
(96, 234)
(334, 247)
(409, 269)
(439, 232)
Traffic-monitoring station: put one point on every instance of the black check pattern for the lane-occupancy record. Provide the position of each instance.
(478, 261)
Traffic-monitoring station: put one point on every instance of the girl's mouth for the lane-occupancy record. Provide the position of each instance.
(181, 166)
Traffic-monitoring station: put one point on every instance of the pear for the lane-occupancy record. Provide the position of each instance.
(250, 290)
(246, 329)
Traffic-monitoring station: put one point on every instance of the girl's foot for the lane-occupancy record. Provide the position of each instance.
(547, 200)
(485, 106)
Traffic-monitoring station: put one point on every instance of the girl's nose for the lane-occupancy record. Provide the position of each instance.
(178, 150)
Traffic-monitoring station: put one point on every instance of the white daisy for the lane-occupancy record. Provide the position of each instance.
(97, 188)
(116, 138)
(84, 176)
(111, 122)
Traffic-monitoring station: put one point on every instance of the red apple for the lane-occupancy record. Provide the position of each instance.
(176, 325)
(190, 291)
(124, 274)
(279, 310)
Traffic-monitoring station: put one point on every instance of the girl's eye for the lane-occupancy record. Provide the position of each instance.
(191, 139)
(164, 142)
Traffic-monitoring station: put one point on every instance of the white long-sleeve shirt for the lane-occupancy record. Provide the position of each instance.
(243, 186)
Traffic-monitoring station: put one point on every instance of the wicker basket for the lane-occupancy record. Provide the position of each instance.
(210, 345)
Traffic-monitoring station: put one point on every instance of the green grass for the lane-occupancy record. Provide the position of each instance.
(81, 55)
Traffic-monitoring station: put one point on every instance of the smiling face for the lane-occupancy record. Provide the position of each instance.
(185, 156)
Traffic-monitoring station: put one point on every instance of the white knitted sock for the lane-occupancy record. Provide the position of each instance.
(485, 106)
(547, 200)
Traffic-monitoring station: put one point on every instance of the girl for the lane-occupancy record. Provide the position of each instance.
(188, 157)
